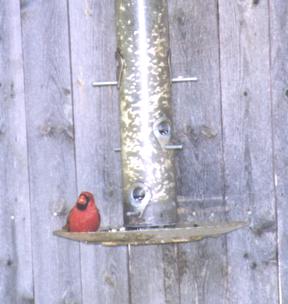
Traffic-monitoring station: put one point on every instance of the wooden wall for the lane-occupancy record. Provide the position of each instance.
(57, 136)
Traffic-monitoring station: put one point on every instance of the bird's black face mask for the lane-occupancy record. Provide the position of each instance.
(83, 206)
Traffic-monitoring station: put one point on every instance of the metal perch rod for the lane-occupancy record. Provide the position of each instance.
(115, 83)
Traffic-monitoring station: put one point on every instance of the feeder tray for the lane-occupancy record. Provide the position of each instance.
(152, 236)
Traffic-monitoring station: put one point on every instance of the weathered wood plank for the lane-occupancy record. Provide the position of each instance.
(195, 52)
(154, 274)
(16, 282)
(151, 279)
(51, 149)
(279, 69)
(246, 105)
(96, 112)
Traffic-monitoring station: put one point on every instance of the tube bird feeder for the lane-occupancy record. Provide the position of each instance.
(147, 152)
(148, 175)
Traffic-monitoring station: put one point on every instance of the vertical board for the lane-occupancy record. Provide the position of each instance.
(96, 112)
(195, 52)
(51, 149)
(279, 69)
(246, 103)
(16, 283)
(154, 274)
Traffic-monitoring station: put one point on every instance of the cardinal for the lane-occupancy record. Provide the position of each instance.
(84, 216)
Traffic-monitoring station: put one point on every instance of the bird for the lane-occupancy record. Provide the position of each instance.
(84, 216)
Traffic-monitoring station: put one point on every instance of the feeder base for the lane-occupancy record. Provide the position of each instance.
(179, 234)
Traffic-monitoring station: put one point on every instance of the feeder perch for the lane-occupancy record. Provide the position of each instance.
(147, 149)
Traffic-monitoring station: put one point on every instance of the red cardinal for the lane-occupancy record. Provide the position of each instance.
(84, 216)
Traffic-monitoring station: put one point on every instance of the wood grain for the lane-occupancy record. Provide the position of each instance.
(96, 112)
(279, 72)
(153, 273)
(246, 104)
(51, 149)
(16, 282)
(197, 116)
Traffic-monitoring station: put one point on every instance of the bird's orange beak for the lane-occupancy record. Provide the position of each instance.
(81, 200)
